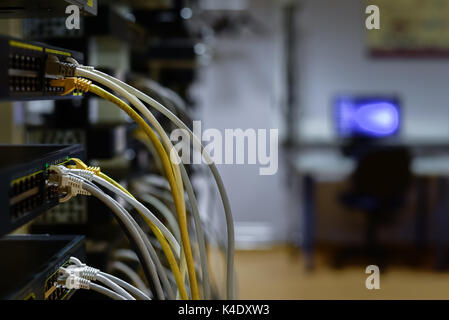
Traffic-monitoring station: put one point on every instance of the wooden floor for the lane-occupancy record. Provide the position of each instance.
(279, 274)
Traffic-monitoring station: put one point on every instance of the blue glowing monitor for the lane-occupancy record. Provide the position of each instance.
(367, 117)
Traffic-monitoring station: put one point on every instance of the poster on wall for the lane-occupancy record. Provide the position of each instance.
(410, 28)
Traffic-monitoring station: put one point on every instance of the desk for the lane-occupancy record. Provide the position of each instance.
(328, 164)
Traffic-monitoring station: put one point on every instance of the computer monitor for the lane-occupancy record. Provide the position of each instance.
(367, 117)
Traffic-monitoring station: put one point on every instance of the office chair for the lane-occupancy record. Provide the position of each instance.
(378, 188)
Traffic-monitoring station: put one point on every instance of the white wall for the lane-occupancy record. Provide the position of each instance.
(333, 59)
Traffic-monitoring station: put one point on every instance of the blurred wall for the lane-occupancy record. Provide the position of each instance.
(241, 88)
(237, 90)
(333, 59)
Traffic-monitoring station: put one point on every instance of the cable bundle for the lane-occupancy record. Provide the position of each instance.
(177, 177)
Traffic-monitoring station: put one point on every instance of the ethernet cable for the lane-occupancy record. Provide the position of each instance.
(176, 186)
(182, 257)
(199, 229)
(175, 181)
(148, 196)
(168, 146)
(81, 269)
(140, 136)
(66, 70)
(169, 217)
(197, 143)
(160, 268)
(105, 291)
(159, 229)
(172, 176)
(114, 187)
(158, 265)
(157, 269)
(145, 187)
(114, 287)
(78, 275)
(125, 254)
(130, 273)
(200, 233)
(122, 216)
(166, 95)
(164, 211)
(119, 190)
(72, 281)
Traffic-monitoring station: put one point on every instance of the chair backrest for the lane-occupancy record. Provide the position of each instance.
(383, 172)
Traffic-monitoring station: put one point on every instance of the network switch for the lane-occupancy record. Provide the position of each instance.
(44, 8)
(31, 269)
(22, 70)
(24, 188)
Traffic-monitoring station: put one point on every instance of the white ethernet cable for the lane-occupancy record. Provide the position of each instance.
(130, 94)
(167, 96)
(163, 210)
(90, 176)
(56, 67)
(168, 146)
(80, 276)
(77, 184)
(197, 143)
(74, 282)
(130, 273)
(87, 176)
(113, 286)
(125, 254)
(160, 269)
(89, 273)
(142, 239)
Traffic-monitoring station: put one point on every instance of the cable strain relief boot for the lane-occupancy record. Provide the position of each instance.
(75, 282)
(83, 84)
(55, 67)
(90, 273)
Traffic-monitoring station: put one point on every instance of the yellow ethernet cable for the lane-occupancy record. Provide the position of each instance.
(179, 271)
(72, 68)
(85, 85)
(170, 171)
(143, 138)
(139, 135)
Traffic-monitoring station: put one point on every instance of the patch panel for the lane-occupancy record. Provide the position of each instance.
(22, 70)
(24, 185)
